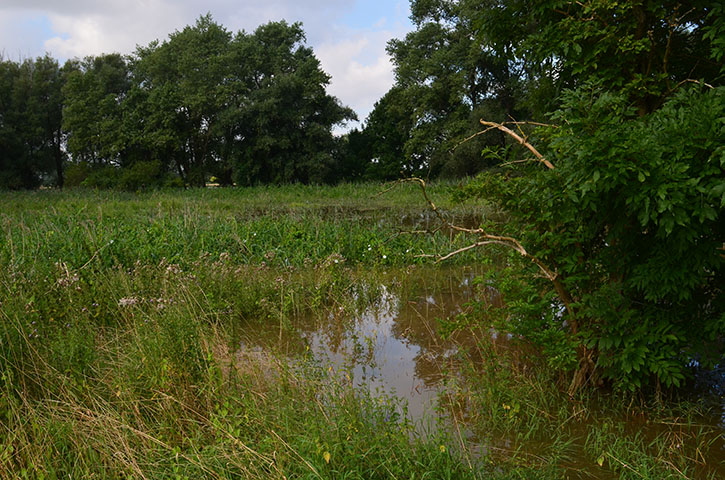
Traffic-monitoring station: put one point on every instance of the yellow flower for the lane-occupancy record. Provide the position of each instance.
(326, 456)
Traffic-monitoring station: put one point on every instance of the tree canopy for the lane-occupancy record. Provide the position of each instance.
(627, 221)
(206, 102)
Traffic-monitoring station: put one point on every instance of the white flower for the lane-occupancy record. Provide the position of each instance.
(127, 302)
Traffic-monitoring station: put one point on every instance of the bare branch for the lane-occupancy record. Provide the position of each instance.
(488, 239)
(471, 138)
(512, 122)
(520, 140)
(690, 80)
(536, 124)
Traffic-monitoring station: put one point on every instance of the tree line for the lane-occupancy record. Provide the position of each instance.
(250, 108)
(247, 108)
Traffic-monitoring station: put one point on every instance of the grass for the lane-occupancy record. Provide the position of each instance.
(123, 321)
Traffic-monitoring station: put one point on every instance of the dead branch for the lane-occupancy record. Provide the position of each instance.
(468, 139)
(690, 80)
(526, 122)
(512, 122)
(520, 140)
(488, 239)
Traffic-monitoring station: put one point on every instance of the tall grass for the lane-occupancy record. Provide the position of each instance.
(123, 350)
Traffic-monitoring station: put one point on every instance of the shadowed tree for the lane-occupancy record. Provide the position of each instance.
(30, 123)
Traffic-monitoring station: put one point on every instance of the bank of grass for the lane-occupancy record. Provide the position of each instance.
(122, 349)
(520, 410)
(282, 226)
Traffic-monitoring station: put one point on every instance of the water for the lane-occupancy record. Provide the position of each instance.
(389, 344)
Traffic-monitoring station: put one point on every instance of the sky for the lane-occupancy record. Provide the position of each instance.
(348, 36)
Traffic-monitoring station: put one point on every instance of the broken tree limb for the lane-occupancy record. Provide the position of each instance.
(489, 239)
(520, 140)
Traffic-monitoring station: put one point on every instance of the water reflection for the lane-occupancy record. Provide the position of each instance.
(385, 339)
(391, 347)
(389, 344)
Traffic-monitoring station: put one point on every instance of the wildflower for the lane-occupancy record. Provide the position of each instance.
(173, 269)
(127, 302)
(384, 257)
(68, 280)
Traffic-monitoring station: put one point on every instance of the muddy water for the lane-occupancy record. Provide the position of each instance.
(387, 341)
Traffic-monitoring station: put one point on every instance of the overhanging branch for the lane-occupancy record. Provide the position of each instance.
(486, 238)
(519, 139)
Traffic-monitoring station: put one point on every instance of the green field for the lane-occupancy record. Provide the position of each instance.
(124, 351)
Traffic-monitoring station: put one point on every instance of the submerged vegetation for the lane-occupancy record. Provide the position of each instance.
(126, 348)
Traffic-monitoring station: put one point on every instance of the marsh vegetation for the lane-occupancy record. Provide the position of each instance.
(293, 332)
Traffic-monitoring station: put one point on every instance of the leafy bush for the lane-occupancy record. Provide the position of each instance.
(76, 173)
(631, 219)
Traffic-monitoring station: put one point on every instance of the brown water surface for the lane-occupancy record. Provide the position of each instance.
(388, 341)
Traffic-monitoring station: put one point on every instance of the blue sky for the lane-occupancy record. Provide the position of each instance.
(348, 36)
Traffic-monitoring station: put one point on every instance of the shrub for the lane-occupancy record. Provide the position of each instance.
(631, 220)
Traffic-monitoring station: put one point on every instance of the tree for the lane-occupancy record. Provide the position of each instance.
(284, 132)
(30, 123)
(640, 48)
(387, 128)
(252, 107)
(627, 222)
(95, 92)
(449, 79)
(178, 96)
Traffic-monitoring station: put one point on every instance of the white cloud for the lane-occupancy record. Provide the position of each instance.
(361, 70)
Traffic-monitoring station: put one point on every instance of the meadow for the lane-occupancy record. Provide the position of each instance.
(125, 351)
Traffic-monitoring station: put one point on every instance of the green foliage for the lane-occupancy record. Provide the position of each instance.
(30, 123)
(283, 134)
(93, 114)
(251, 108)
(446, 80)
(639, 49)
(631, 218)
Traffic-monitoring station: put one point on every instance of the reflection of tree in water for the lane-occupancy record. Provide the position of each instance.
(391, 318)
(434, 297)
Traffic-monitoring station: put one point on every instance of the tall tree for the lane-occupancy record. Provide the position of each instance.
(449, 79)
(286, 121)
(180, 89)
(95, 92)
(30, 123)
(625, 218)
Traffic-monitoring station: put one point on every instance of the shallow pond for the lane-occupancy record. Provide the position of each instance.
(387, 340)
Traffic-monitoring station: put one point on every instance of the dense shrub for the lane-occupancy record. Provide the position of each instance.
(632, 220)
